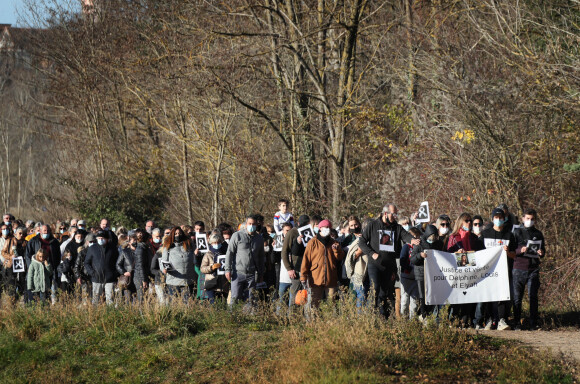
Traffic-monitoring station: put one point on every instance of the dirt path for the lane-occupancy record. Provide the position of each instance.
(567, 342)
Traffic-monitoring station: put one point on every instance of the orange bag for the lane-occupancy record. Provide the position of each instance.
(301, 297)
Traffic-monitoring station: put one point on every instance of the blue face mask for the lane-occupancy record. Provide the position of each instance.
(465, 228)
(406, 227)
(157, 241)
(316, 230)
(44, 236)
(102, 241)
(5, 232)
(430, 241)
(251, 228)
(498, 222)
(272, 235)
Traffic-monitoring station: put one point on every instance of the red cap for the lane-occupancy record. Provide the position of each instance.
(324, 223)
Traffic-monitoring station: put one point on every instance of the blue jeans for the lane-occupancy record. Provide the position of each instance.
(243, 288)
(361, 292)
(174, 291)
(282, 298)
(531, 279)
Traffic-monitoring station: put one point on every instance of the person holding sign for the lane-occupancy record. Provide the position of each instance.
(215, 284)
(429, 240)
(530, 248)
(292, 253)
(381, 241)
(14, 247)
(178, 253)
(499, 235)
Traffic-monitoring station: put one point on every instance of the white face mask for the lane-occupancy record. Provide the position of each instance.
(476, 230)
(406, 227)
(324, 232)
(528, 223)
(443, 231)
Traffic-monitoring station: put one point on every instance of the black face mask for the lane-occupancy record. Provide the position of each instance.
(179, 238)
(355, 231)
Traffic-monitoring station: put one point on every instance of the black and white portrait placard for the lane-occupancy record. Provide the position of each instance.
(515, 227)
(532, 248)
(278, 241)
(165, 265)
(423, 215)
(222, 260)
(201, 241)
(386, 242)
(18, 264)
(307, 233)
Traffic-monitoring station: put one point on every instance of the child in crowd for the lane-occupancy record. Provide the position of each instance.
(39, 276)
(283, 215)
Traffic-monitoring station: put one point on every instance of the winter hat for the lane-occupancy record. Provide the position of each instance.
(497, 212)
(324, 223)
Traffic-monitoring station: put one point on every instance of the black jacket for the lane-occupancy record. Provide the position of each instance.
(369, 243)
(416, 258)
(126, 261)
(155, 268)
(522, 235)
(100, 263)
(142, 262)
(36, 243)
(79, 268)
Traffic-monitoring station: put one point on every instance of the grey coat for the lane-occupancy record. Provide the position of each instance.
(245, 253)
(183, 272)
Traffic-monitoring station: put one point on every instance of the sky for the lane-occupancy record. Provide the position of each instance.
(8, 11)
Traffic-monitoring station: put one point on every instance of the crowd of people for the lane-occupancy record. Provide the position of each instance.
(42, 263)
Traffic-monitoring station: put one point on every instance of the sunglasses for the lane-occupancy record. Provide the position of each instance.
(478, 224)
(444, 225)
(467, 220)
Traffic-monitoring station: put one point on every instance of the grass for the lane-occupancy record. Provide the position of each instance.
(200, 343)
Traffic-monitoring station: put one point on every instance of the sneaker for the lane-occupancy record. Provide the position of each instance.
(503, 326)
(488, 325)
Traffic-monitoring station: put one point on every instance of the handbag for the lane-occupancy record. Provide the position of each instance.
(123, 281)
(212, 284)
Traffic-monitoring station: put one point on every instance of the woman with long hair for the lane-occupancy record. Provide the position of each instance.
(178, 264)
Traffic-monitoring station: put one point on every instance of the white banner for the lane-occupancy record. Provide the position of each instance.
(484, 279)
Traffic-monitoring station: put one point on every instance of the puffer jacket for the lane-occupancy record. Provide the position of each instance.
(356, 268)
(126, 261)
(183, 262)
(100, 263)
(142, 262)
(39, 276)
(321, 262)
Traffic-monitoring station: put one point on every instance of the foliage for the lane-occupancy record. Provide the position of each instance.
(129, 205)
(202, 343)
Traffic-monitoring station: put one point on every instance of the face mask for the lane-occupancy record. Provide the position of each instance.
(61, 231)
(44, 236)
(476, 230)
(443, 230)
(106, 229)
(91, 243)
(272, 235)
(406, 227)
(498, 222)
(355, 231)
(178, 238)
(78, 241)
(102, 241)
(157, 241)
(430, 241)
(316, 229)
(5, 232)
(527, 223)
(227, 241)
(251, 228)
(466, 229)
(324, 232)
(7, 222)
